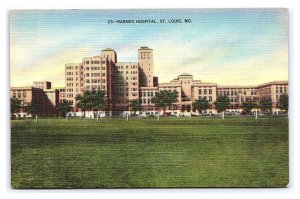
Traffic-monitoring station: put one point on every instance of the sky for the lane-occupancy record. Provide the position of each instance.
(223, 46)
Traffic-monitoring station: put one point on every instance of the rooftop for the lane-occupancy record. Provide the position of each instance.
(108, 49)
(144, 48)
(185, 74)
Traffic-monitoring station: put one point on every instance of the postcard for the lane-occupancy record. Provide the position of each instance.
(149, 98)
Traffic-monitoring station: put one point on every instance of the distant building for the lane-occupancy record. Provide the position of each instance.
(41, 96)
(120, 80)
(125, 81)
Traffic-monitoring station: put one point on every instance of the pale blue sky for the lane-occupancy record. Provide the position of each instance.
(225, 46)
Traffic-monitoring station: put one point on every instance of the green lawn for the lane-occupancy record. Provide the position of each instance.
(174, 152)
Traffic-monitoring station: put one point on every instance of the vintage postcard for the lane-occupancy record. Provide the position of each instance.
(149, 98)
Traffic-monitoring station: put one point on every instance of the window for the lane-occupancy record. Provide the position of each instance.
(200, 91)
(210, 91)
(210, 98)
(87, 62)
(205, 91)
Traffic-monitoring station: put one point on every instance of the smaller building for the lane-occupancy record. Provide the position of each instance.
(41, 96)
(42, 85)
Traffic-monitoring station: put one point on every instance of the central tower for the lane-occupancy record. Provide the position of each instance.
(145, 66)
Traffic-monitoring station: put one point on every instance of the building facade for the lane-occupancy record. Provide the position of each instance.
(120, 80)
(43, 101)
(125, 81)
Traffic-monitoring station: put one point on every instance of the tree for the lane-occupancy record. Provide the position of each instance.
(283, 102)
(135, 105)
(93, 100)
(30, 108)
(164, 98)
(222, 102)
(81, 102)
(201, 104)
(15, 105)
(265, 104)
(248, 106)
(99, 100)
(64, 107)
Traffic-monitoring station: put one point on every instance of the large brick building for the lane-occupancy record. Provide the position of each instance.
(125, 81)
(43, 98)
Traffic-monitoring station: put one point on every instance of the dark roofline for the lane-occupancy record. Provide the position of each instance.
(108, 49)
(145, 48)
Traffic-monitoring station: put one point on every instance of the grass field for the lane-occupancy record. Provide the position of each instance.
(174, 152)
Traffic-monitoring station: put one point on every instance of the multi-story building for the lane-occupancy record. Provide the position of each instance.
(120, 80)
(125, 81)
(273, 90)
(43, 101)
(238, 94)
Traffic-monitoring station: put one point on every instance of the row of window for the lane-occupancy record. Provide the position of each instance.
(147, 101)
(71, 67)
(94, 87)
(280, 89)
(94, 81)
(149, 94)
(94, 62)
(94, 74)
(121, 95)
(95, 68)
(209, 98)
(126, 67)
(228, 93)
(145, 55)
(19, 95)
(205, 91)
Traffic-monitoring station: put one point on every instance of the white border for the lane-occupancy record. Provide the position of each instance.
(292, 192)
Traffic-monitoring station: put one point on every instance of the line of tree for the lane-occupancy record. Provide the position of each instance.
(95, 100)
